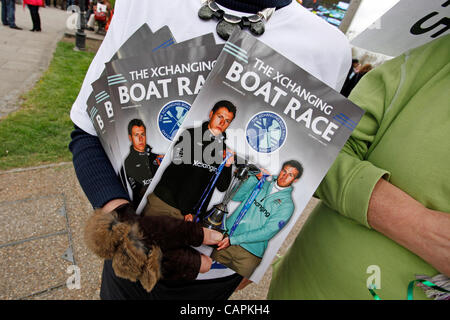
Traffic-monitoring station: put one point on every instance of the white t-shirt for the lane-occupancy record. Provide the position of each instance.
(307, 40)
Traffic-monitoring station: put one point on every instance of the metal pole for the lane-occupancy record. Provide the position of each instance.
(346, 22)
(80, 36)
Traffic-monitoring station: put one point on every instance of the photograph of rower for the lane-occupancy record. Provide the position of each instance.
(248, 235)
(201, 163)
(141, 164)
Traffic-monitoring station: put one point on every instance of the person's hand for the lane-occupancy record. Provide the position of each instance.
(113, 204)
(245, 282)
(230, 160)
(189, 218)
(211, 237)
(206, 263)
(116, 235)
(225, 243)
(263, 171)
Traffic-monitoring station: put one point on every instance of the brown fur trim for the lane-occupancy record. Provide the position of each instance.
(131, 255)
(123, 244)
(152, 269)
(103, 233)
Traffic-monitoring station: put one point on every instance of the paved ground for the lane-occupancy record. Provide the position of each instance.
(43, 209)
(24, 55)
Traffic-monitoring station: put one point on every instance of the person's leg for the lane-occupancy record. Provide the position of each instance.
(33, 17)
(11, 9)
(244, 262)
(4, 13)
(91, 22)
(12, 15)
(224, 257)
(38, 19)
(238, 259)
(156, 207)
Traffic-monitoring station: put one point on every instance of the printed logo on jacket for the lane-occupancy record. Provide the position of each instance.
(266, 132)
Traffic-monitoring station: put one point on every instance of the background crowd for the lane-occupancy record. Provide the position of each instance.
(99, 13)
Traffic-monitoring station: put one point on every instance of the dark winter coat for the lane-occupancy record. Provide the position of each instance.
(197, 155)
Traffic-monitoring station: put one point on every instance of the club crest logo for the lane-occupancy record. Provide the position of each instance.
(266, 132)
(171, 117)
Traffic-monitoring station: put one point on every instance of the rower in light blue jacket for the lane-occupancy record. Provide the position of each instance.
(271, 210)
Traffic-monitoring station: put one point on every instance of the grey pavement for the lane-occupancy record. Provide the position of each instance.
(43, 211)
(25, 55)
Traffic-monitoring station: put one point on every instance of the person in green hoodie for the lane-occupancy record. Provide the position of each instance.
(242, 250)
(384, 216)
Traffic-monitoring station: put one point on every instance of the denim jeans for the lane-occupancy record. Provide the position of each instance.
(11, 12)
(4, 13)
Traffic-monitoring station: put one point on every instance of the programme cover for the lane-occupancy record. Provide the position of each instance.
(142, 41)
(99, 105)
(286, 122)
(102, 115)
(151, 95)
